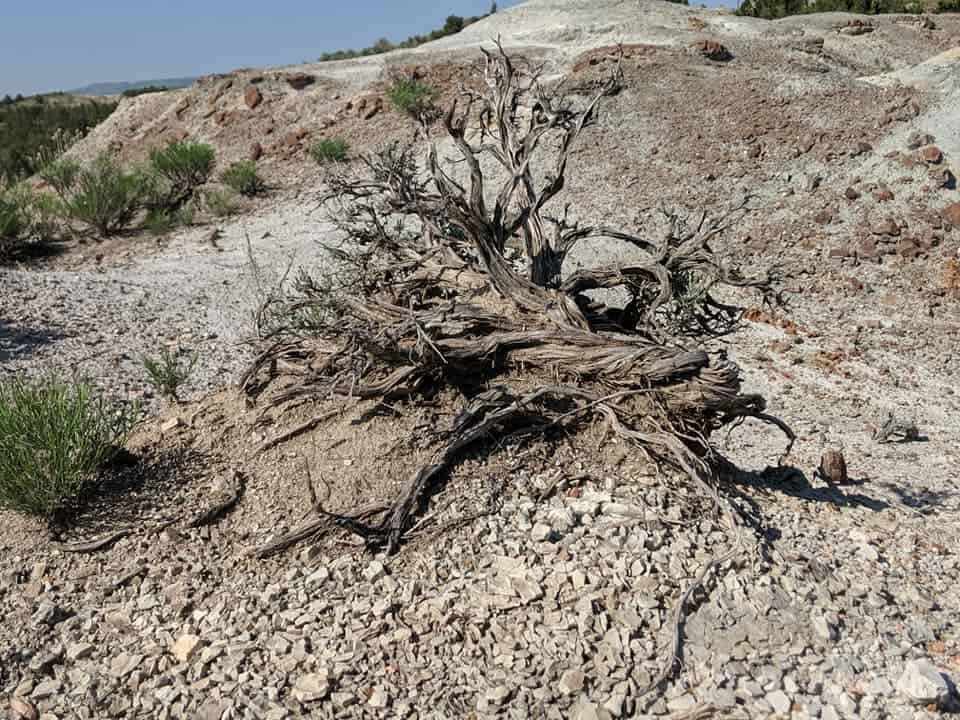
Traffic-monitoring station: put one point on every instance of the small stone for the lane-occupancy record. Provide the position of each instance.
(378, 699)
(310, 688)
(171, 424)
(951, 213)
(851, 193)
(78, 651)
(45, 614)
(918, 139)
(374, 571)
(185, 647)
(498, 695)
(931, 155)
(571, 682)
(779, 702)
(833, 467)
(22, 710)
(824, 629)
(124, 664)
(824, 217)
(48, 688)
(682, 703)
(256, 151)
(252, 96)
(587, 711)
(541, 532)
(923, 684)
(318, 576)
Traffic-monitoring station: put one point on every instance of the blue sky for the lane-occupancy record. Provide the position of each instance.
(60, 44)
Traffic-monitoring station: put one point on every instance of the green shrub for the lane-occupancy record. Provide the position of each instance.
(329, 150)
(184, 167)
(53, 438)
(134, 92)
(166, 374)
(104, 196)
(220, 203)
(11, 216)
(242, 176)
(28, 129)
(61, 175)
(411, 96)
(160, 221)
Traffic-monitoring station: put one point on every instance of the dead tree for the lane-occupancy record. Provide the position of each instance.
(450, 284)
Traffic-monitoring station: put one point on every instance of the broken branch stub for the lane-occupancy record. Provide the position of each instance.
(430, 292)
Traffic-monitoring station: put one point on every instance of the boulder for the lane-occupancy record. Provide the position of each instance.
(298, 81)
(712, 50)
(252, 96)
(923, 684)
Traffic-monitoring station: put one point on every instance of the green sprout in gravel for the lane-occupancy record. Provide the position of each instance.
(242, 176)
(167, 373)
(54, 436)
(329, 150)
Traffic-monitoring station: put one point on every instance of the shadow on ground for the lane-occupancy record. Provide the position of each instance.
(18, 341)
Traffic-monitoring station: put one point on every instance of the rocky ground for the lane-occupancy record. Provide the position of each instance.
(538, 587)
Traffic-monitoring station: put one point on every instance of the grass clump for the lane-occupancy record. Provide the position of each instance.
(53, 438)
(242, 177)
(166, 373)
(220, 203)
(413, 97)
(101, 195)
(183, 167)
(329, 150)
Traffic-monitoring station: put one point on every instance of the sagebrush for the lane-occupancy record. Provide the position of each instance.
(329, 150)
(242, 177)
(54, 436)
(412, 96)
(167, 373)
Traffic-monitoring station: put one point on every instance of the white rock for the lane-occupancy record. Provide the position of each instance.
(78, 651)
(185, 647)
(496, 696)
(923, 684)
(541, 532)
(312, 687)
(571, 682)
(378, 698)
(374, 571)
(779, 701)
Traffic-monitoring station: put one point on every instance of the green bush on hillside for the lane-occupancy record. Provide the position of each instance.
(134, 92)
(773, 9)
(329, 150)
(412, 96)
(184, 167)
(29, 125)
(101, 195)
(452, 25)
(53, 438)
(242, 176)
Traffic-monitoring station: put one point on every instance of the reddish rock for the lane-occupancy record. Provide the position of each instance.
(256, 151)
(298, 81)
(883, 194)
(823, 217)
(252, 96)
(931, 155)
(712, 50)
(951, 214)
(290, 140)
(833, 467)
(909, 248)
(868, 249)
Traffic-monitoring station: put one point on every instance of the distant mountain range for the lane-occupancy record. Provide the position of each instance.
(115, 88)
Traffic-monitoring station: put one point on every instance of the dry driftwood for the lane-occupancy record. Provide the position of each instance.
(428, 295)
(90, 546)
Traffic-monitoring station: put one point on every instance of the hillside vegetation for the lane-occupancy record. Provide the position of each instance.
(453, 25)
(773, 9)
(28, 126)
